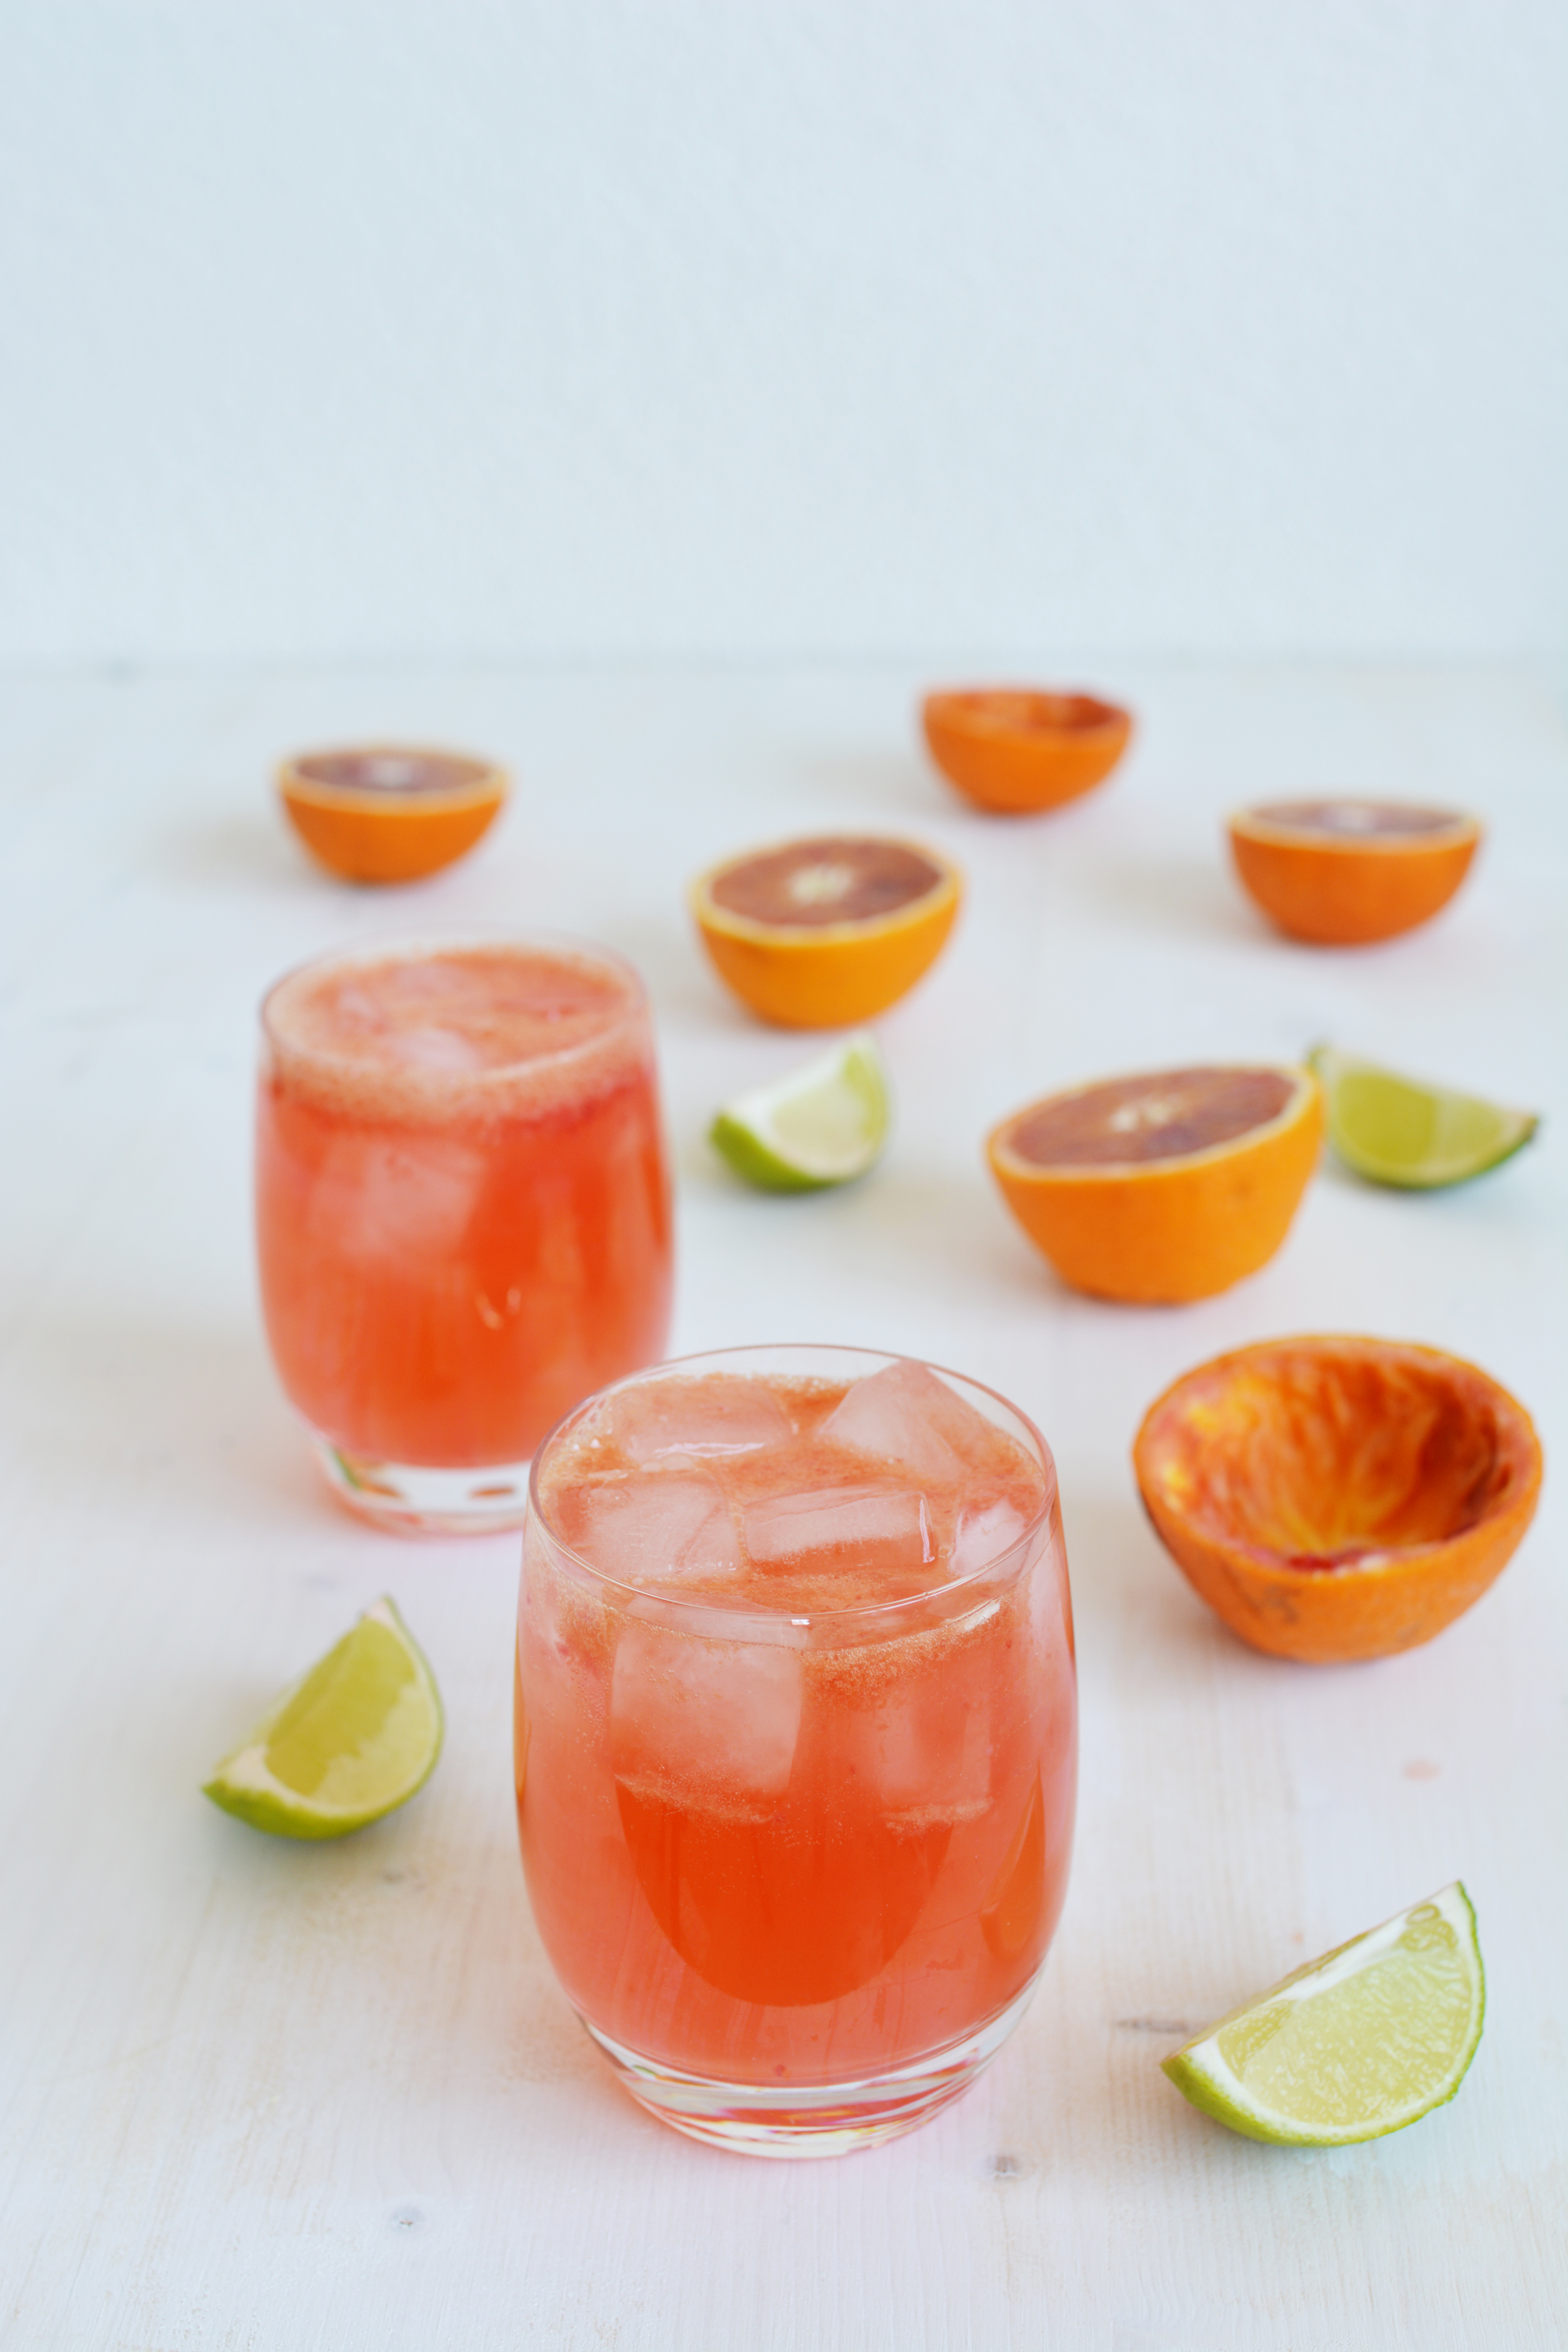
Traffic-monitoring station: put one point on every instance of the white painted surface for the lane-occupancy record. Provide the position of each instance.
(257, 2095)
(391, 327)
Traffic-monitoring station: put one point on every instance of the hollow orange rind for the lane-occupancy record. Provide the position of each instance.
(432, 808)
(1345, 873)
(828, 975)
(1016, 749)
(1335, 1499)
(1163, 1231)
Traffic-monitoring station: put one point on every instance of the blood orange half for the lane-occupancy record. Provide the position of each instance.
(1166, 1186)
(1340, 873)
(1013, 750)
(820, 933)
(386, 812)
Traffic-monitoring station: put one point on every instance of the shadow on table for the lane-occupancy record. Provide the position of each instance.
(1186, 897)
(254, 850)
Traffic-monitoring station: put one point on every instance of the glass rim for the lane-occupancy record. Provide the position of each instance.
(855, 1612)
(410, 947)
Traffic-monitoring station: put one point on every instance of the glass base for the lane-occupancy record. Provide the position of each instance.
(409, 1501)
(822, 2119)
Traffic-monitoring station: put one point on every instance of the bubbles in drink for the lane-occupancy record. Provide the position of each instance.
(718, 1414)
(843, 1496)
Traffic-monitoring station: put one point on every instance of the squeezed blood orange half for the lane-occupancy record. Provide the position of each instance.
(1341, 873)
(1013, 750)
(1336, 1499)
(384, 812)
(1163, 1187)
(821, 933)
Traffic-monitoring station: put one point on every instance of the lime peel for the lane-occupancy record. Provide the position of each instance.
(1402, 1131)
(1367, 2039)
(354, 1736)
(823, 1124)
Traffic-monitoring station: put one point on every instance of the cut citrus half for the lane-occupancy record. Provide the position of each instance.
(1368, 2039)
(822, 933)
(1015, 750)
(382, 813)
(1336, 1497)
(823, 1125)
(1163, 1187)
(353, 1738)
(1402, 1131)
(1340, 873)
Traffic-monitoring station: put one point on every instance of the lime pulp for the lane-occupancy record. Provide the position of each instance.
(1363, 2041)
(356, 1735)
(1402, 1131)
(824, 1124)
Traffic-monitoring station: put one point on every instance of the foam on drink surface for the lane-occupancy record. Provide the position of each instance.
(418, 1036)
(781, 1494)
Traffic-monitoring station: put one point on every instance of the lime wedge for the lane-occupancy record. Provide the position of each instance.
(822, 1125)
(1399, 1131)
(1360, 2042)
(353, 1738)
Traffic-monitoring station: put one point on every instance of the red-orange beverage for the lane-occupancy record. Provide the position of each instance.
(463, 1212)
(796, 1737)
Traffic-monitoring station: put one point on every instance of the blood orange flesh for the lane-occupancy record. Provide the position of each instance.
(1163, 1115)
(393, 772)
(1355, 821)
(808, 884)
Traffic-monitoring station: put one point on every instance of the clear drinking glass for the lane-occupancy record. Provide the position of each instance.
(795, 1735)
(463, 1210)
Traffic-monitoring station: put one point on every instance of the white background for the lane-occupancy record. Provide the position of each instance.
(377, 368)
(518, 327)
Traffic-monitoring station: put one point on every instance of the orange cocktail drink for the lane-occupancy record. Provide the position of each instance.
(463, 1210)
(795, 1735)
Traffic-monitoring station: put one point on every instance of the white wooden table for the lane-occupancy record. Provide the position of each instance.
(261, 2095)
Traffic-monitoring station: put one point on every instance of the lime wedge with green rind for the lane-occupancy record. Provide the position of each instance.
(1363, 2041)
(824, 1124)
(354, 1737)
(1397, 1130)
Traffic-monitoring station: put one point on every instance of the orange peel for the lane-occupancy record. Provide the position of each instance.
(1334, 1498)
(828, 932)
(1016, 749)
(389, 812)
(1343, 873)
(1164, 1186)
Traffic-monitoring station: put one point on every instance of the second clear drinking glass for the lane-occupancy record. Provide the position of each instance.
(463, 1210)
(796, 1736)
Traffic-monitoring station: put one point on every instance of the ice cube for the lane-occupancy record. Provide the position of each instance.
(882, 1528)
(923, 1748)
(905, 1415)
(983, 1536)
(694, 1717)
(429, 1046)
(414, 1197)
(653, 1529)
(715, 1413)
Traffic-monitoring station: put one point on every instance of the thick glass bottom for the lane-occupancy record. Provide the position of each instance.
(407, 1500)
(818, 2119)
